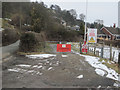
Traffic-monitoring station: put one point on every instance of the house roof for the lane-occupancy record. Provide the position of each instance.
(110, 29)
(113, 30)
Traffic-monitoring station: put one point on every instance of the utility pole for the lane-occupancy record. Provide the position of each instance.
(20, 17)
(86, 22)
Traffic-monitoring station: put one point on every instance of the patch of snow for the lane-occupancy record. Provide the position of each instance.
(94, 62)
(35, 66)
(43, 67)
(14, 70)
(40, 73)
(64, 55)
(40, 56)
(100, 72)
(40, 63)
(8, 19)
(99, 86)
(30, 71)
(112, 62)
(80, 76)
(50, 63)
(103, 61)
(40, 66)
(50, 68)
(47, 61)
(37, 72)
(24, 65)
(115, 84)
(17, 70)
(109, 62)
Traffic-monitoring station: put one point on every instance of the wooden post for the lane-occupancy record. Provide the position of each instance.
(102, 50)
(110, 51)
(88, 49)
(80, 47)
(97, 53)
(113, 55)
(119, 60)
(44, 46)
(94, 48)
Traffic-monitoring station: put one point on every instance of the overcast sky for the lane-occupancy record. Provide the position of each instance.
(106, 10)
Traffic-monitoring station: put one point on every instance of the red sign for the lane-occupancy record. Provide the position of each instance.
(84, 47)
(63, 47)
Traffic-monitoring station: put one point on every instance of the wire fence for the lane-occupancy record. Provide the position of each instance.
(100, 50)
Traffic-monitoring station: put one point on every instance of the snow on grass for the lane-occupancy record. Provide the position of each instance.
(100, 72)
(64, 55)
(94, 62)
(80, 76)
(24, 65)
(40, 56)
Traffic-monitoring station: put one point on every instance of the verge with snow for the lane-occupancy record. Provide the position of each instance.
(101, 68)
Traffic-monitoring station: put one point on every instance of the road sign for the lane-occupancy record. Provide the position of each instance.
(63, 47)
(92, 35)
(84, 47)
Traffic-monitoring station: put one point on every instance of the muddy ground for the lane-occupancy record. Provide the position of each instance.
(52, 72)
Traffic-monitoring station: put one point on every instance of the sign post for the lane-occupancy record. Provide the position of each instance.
(92, 35)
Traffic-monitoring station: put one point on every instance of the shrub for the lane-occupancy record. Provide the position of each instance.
(9, 36)
(30, 41)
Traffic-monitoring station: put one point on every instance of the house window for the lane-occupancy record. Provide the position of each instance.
(117, 37)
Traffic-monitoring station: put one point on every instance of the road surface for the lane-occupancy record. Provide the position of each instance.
(9, 50)
(68, 70)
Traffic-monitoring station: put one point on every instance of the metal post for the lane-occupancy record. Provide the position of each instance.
(86, 20)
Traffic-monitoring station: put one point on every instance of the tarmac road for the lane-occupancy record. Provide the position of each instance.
(53, 72)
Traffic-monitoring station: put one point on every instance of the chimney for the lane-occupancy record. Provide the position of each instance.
(114, 26)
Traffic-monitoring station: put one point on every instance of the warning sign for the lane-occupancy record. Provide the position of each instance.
(92, 35)
(63, 47)
(84, 47)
